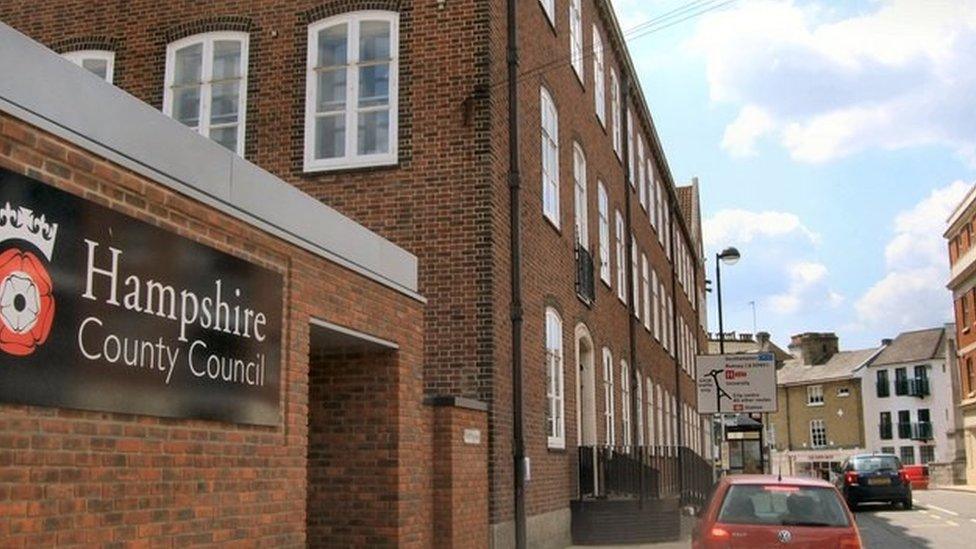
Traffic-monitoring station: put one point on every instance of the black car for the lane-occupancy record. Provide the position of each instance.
(874, 478)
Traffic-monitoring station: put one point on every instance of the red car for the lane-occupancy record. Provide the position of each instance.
(765, 511)
(918, 475)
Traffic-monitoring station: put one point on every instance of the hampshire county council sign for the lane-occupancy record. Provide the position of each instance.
(101, 311)
(736, 383)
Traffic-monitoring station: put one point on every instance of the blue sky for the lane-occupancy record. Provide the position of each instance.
(831, 140)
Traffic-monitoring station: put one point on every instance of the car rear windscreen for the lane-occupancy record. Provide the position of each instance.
(871, 464)
(782, 505)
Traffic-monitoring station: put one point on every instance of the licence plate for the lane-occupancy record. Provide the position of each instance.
(879, 481)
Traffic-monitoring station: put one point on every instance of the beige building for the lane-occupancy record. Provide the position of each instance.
(820, 421)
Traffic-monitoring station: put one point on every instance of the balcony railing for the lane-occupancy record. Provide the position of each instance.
(919, 387)
(651, 472)
(585, 286)
(884, 430)
(922, 430)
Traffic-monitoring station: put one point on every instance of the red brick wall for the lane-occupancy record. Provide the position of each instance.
(71, 476)
(461, 478)
(447, 199)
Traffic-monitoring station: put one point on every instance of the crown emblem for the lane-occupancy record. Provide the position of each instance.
(22, 224)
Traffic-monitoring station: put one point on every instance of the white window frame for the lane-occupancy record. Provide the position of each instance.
(649, 403)
(549, 130)
(656, 288)
(352, 159)
(555, 393)
(625, 401)
(818, 430)
(78, 57)
(659, 215)
(615, 123)
(608, 409)
(670, 327)
(651, 203)
(576, 38)
(635, 276)
(631, 176)
(603, 206)
(667, 418)
(207, 39)
(641, 185)
(549, 8)
(646, 284)
(621, 250)
(599, 93)
(815, 395)
(579, 185)
(639, 396)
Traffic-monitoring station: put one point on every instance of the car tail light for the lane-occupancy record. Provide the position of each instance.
(850, 541)
(903, 475)
(719, 534)
(850, 478)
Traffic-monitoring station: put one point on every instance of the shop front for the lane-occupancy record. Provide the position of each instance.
(822, 464)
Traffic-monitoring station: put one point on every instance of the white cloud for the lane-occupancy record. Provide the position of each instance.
(827, 87)
(737, 227)
(912, 293)
(741, 135)
(808, 286)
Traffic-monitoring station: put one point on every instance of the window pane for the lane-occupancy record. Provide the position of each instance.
(227, 59)
(373, 132)
(224, 102)
(189, 62)
(374, 85)
(98, 67)
(186, 105)
(374, 41)
(226, 136)
(332, 46)
(331, 90)
(330, 136)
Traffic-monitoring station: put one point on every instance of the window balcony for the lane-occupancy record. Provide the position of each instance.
(585, 284)
(922, 430)
(919, 387)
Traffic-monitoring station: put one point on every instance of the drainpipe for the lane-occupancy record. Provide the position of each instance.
(515, 245)
(677, 355)
(629, 255)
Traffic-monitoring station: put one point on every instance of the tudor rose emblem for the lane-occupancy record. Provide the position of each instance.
(26, 290)
(784, 536)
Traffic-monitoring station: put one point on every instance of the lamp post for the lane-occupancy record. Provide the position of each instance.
(730, 256)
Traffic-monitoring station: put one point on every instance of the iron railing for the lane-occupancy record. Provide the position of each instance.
(922, 430)
(919, 387)
(585, 286)
(651, 472)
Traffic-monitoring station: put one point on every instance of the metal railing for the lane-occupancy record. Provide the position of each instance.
(651, 472)
(919, 387)
(922, 430)
(585, 284)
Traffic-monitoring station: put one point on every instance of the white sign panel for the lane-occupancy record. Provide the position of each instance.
(736, 383)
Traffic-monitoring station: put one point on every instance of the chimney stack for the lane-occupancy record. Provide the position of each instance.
(814, 348)
(886, 341)
(762, 338)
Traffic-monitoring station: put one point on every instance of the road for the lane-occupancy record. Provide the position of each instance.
(941, 518)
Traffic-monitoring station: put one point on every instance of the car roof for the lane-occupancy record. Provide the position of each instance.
(773, 479)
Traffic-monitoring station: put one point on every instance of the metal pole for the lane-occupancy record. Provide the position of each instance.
(721, 350)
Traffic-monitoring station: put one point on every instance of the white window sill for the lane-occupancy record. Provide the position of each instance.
(359, 163)
(815, 403)
(556, 444)
(553, 222)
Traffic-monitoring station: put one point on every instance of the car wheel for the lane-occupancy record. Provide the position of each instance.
(852, 505)
(907, 504)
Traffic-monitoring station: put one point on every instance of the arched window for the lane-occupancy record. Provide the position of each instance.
(206, 85)
(599, 94)
(550, 157)
(639, 396)
(604, 210)
(101, 63)
(576, 37)
(351, 91)
(556, 425)
(579, 185)
(625, 401)
(608, 411)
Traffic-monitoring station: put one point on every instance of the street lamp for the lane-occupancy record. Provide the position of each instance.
(730, 256)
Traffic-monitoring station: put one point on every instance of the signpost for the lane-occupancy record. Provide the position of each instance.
(739, 383)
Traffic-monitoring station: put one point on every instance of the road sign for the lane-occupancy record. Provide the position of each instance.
(736, 383)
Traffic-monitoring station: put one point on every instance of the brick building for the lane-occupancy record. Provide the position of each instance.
(820, 421)
(962, 284)
(396, 114)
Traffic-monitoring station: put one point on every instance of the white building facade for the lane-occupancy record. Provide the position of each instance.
(907, 399)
